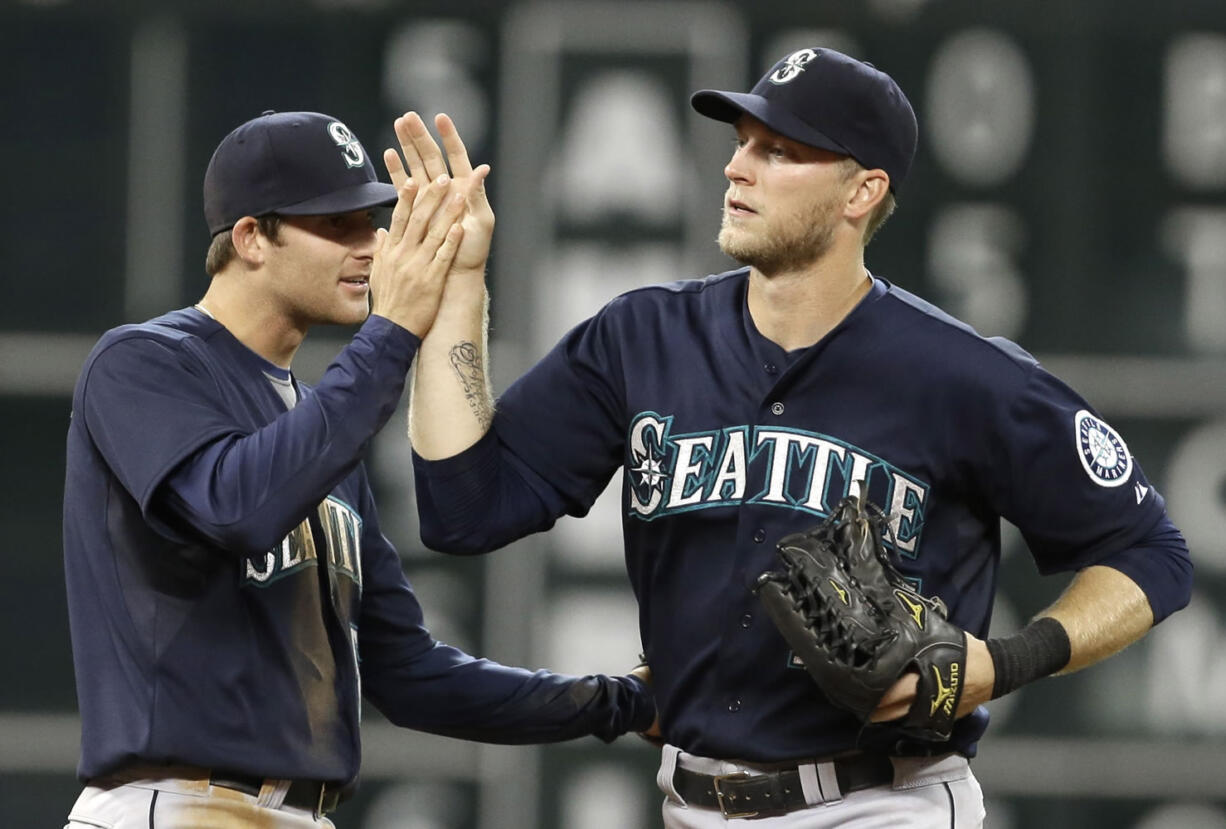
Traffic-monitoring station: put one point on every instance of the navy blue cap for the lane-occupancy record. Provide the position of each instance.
(292, 163)
(828, 100)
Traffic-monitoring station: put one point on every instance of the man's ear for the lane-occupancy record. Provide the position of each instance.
(249, 242)
(871, 188)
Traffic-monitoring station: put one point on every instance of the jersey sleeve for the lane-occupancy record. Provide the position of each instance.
(426, 685)
(556, 438)
(1161, 565)
(1063, 475)
(565, 418)
(153, 411)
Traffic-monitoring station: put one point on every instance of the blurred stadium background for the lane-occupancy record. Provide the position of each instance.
(1068, 194)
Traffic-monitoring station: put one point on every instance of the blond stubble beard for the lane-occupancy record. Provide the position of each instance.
(792, 244)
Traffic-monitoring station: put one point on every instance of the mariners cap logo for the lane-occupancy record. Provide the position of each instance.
(1103, 453)
(793, 65)
(351, 149)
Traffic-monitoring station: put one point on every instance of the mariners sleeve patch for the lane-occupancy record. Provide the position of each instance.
(1103, 453)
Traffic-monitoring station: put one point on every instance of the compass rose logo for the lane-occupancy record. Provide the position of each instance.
(650, 471)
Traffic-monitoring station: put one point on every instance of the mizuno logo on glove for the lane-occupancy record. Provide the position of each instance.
(916, 609)
(947, 692)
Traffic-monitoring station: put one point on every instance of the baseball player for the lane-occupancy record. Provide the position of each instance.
(744, 406)
(231, 594)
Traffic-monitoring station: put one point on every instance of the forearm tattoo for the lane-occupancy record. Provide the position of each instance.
(466, 361)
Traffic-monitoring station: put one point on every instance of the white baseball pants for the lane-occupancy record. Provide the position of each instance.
(184, 804)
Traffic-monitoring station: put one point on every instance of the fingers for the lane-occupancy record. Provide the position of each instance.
(428, 226)
(457, 158)
(429, 151)
(413, 257)
(376, 268)
(444, 218)
(457, 154)
(896, 702)
(473, 185)
(395, 168)
(424, 159)
(446, 252)
(406, 194)
(415, 213)
(889, 713)
(416, 167)
(422, 154)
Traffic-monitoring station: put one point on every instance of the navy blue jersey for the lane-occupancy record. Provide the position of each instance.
(231, 595)
(725, 443)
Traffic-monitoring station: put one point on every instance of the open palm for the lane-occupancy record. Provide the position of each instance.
(425, 162)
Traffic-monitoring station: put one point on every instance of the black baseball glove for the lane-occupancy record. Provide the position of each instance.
(858, 625)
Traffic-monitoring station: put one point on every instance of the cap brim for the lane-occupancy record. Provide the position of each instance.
(729, 106)
(359, 197)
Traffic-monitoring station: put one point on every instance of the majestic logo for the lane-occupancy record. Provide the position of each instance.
(946, 691)
(1141, 492)
(916, 609)
(351, 149)
(667, 474)
(1103, 453)
(793, 65)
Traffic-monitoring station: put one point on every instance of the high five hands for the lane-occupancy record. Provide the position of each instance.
(440, 228)
(425, 163)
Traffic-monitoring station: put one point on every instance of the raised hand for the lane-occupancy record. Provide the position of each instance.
(416, 252)
(426, 162)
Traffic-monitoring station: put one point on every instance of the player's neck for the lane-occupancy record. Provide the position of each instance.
(795, 309)
(254, 324)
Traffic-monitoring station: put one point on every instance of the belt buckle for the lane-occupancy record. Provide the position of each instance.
(719, 794)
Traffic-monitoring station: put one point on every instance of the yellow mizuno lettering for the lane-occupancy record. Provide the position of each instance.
(946, 693)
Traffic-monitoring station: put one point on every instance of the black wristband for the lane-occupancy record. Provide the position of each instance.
(1037, 650)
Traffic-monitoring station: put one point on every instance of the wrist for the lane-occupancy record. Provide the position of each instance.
(465, 296)
(469, 280)
(1040, 649)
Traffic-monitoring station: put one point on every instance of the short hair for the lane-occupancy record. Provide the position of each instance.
(881, 212)
(221, 249)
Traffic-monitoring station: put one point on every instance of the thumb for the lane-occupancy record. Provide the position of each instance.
(478, 191)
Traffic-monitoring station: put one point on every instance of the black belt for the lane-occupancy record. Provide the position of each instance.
(317, 798)
(775, 792)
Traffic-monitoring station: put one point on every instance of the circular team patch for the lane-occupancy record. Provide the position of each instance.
(1103, 453)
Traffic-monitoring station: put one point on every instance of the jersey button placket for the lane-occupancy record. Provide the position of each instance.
(776, 408)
